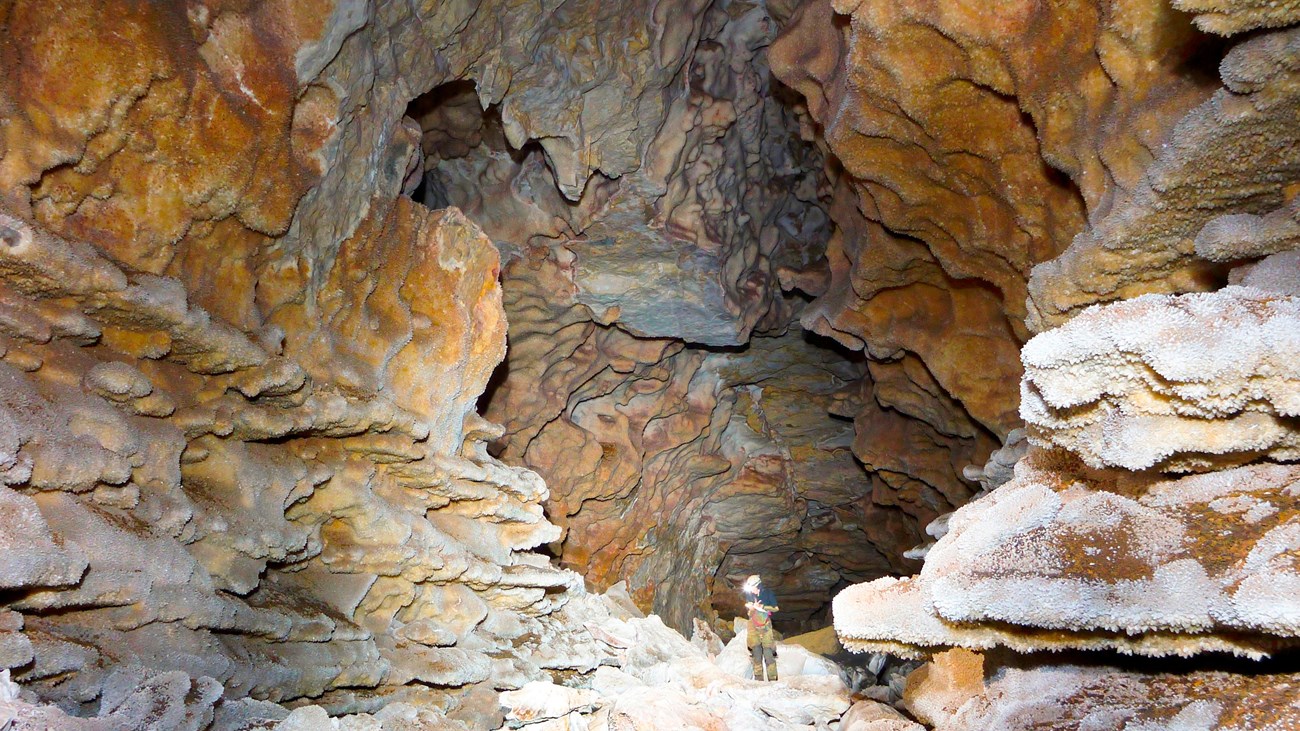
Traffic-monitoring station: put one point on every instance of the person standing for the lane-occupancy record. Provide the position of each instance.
(761, 640)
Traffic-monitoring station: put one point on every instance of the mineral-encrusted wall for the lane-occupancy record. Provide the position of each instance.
(663, 466)
(242, 463)
(242, 457)
(1155, 511)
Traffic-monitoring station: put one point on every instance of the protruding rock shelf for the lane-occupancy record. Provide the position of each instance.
(1157, 510)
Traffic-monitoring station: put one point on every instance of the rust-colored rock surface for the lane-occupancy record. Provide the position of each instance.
(1147, 368)
(685, 471)
(1231, 160)
(974, 145)
(213, 507)
(323, 323)
(242, 463)
(673, 464)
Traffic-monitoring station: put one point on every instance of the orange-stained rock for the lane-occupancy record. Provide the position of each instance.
(1233, 156)
(974, 145)
(410, 309)
(938, 689)
(684, 471)
(1113, 699)
(163, 134)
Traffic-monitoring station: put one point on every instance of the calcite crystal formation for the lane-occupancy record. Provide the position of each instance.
(1175, 383)
(1155, 511)
(1230, 162)
(1066, 557)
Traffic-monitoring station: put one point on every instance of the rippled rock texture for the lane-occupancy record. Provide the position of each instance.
(689, 430)
(238, 437)
(242, 455)
(1155, 511)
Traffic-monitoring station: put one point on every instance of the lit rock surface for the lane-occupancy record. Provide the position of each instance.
(943, 117)
(1234, 155)
(247, 458)
(1170, 382)
(1110, 699)
(1154, 512)
(214, 510)
(1062, 548)
(1193, 555)
(664, 682)
(937, 690)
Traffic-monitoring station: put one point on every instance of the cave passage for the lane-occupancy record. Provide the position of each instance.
(450, 365)
(691, 430)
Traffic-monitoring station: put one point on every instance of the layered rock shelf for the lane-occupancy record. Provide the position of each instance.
(446, 365)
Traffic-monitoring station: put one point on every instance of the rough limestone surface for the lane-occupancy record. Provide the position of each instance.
(1154, 512)
(974, 144)
(938, 689)
(238, 434)
(668, 172)
(1232, 158)
(1171, 382)
(242, 464)
(674, 466)
(686, 471)
(212, 510)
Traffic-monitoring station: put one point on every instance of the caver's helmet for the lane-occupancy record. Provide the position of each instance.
(751, 584)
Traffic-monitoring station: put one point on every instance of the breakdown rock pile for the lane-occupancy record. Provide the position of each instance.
(1157, 512)
(632, 672)
(662, 680)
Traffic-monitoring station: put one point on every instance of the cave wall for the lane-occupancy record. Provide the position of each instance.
(609, 390)
(1154, 511)
(624, 299)
(242, 463)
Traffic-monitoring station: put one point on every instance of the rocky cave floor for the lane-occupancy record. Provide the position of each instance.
(447, 364)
